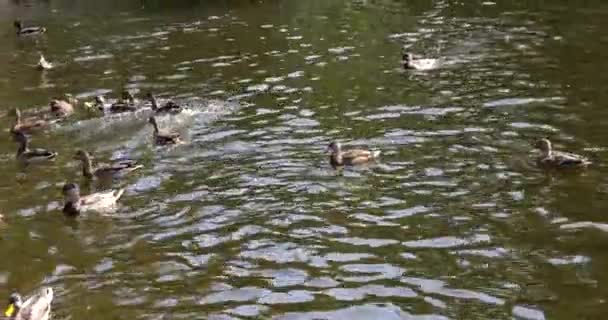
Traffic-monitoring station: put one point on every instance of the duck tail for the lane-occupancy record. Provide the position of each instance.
(376, 154)
(119, 193)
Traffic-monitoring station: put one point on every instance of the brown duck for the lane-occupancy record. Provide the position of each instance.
(339, 157)
(169, 108)
(104, 172)
(29, 125)
(125, 104)
(164, 137)
(553, 159)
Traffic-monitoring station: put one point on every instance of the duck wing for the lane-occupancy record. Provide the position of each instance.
(165, 137)
(358, 156)
(100, 201)
(31, 31)
(122, 107)
(121, 167)
(37, 307)
(565, 159)
(39, 154)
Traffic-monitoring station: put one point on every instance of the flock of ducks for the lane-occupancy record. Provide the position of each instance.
(38, 305)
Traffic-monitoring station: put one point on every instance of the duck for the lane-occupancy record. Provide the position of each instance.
(27, 155)
(101, 202)
(164, 137)
(125, 104)
(27, 31)
(29, 125)
(409, 62)
(340, 158)
(550, 158)
(169, 108)
(104, 172)
(36, 307)
(63, 107)
(43, 64)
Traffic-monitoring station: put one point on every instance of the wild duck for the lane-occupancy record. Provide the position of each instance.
(164, 137)
(169, 108)
(63, 107)
(104, 172)
(126, 103)
(27, 155)
(550, 158)
(409, 62)
(29, 125)
(339, 157)
(27, 31)
(101, 202)
(43, 64)
(36, 307)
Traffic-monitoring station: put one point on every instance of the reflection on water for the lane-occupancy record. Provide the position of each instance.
(248, 220)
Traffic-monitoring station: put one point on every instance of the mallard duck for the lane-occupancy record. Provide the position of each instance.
(43, 64)
(339, 158)
(27, 31)
(170, 107)
(29, 125)
(27, 155)
(101, 202)
(125, 104)
(36, 307)
(164, 137)
(63, 107)
(104, 172)
(550, 158)
(409, 62)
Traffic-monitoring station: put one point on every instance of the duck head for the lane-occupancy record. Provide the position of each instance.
(71, 193)
(18, 24)
(544, 145)
(15, 302)
(334, 147)
(128, 96)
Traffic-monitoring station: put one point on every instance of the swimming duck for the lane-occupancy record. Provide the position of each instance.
(27, 155)
(23, 31)
(63, 107)
(125, 104)
(550, 158)
(36, 307)
(164, 137)
(169, 108)
(339, 158)
(28, 126)
(43, 64)
(104, 172)
(409, 62)
(101, 202)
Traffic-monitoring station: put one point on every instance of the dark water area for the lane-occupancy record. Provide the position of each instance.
(247, 220)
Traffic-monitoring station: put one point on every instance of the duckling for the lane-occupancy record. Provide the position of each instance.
(550, 158)
(36, 307)
(125, 104)
(43, 64)
(27, 155)
(169, 108)
(105, 172)
(418, 64)
(28, 126)
(22, 31)
(101, 202)
(164, 137)
(63, 107)
(339, 158)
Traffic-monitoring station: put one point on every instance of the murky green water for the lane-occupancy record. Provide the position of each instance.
(248, 220)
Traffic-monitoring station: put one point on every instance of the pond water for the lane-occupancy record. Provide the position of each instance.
(248, 220)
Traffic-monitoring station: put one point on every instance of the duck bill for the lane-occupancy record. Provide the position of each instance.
(10, 310)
